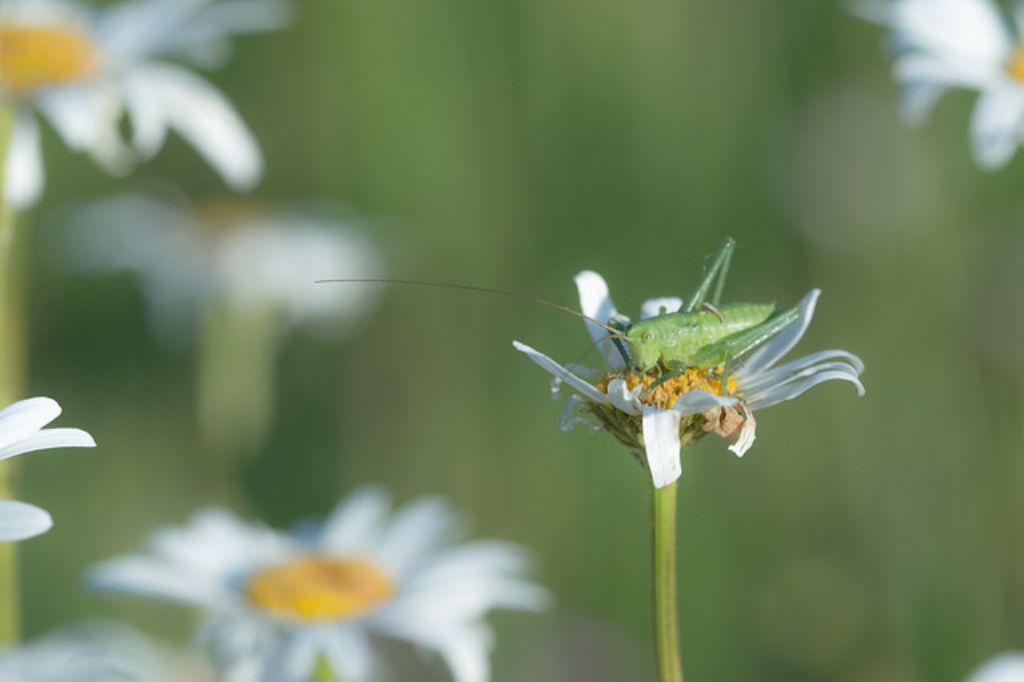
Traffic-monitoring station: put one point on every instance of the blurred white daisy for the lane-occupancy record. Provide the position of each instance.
(21, 431)
(656, 424)
(243, 256)
(1007, 667)
(96, 651)
(237, 276)
(942, 44)
(280, 605)
(81, 69)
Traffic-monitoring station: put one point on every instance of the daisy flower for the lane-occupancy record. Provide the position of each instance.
(280, 605)
(658, 423)
(244, 256)
(1007, 667)
(81, 69)
(942, 44)
(236, 277)
(21, 431)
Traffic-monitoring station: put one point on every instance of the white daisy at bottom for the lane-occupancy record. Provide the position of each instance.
(21, 431)
(280, 605)
(659, 420)
(1007, 667)
(92, 651)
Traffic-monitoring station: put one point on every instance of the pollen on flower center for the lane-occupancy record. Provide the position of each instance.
(34, 56)
(668, 392)
(1015, 64)
(320, 587)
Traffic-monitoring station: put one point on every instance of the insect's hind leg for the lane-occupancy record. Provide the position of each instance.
(714, 275)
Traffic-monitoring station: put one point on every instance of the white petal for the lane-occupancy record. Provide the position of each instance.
(661, 441)
(48, 439)
(25, 417)
(939, 70)
(788, 391)
(19, 521)
(996, 126)
(695, 402)
(160, 96)
(219, 545)
(776, 375)
(569, 418)
(562, 373)
(966, 30)
(1008, 667)
(623, 398)
(417, 529)
(355, 524)
(80, 114)
(780, 344)
(466, 652)
(596, 302)
(748, 432)
(657, 306)
(142, 575)
(348, 652)
(296, 657)
(24, 167)
(918, 99)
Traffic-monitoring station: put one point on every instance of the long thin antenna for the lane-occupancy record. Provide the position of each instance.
(469, 287)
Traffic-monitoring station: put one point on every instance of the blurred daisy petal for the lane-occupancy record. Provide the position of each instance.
(19, 521)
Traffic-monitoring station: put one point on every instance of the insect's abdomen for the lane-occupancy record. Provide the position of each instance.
(683, 334)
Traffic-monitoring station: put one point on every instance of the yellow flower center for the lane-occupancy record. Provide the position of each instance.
(34, 57)
(1015, 64)
(668, 392)
(320, 587)
(224, 215)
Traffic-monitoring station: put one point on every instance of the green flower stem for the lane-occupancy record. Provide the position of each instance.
(323, 672)
(9, 382)
(235, 381)
(666, 598)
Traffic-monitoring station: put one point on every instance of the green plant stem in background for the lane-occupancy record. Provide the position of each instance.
(666, 598)
(323, 672)
(235, 382)
(9, 382)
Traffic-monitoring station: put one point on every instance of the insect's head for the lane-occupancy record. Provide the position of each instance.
(645, 345)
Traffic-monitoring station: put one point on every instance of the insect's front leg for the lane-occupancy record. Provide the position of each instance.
(623, 327)
(714, 275)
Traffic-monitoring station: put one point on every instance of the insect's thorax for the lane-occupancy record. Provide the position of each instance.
(674, 338)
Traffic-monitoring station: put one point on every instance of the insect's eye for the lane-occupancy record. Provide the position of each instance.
(647, 336)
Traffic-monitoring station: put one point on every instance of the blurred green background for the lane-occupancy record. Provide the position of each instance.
(512, 143)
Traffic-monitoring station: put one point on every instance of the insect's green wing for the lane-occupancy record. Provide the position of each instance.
(727, 350)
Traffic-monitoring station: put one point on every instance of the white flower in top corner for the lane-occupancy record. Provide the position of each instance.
(658, 423)
(1007, 667)
(81, 69)
(21, 431)
(240, 255)
(972, 44)
(279, 605)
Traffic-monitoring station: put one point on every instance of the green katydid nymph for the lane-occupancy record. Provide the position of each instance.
(703, 333)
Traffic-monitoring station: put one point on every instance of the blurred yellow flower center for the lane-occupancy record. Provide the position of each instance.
(320, 587)
(33, 57)
(1015, 64)
(225, 215)
(668, 392)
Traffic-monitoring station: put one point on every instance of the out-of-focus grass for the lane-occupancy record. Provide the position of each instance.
(511, 144)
